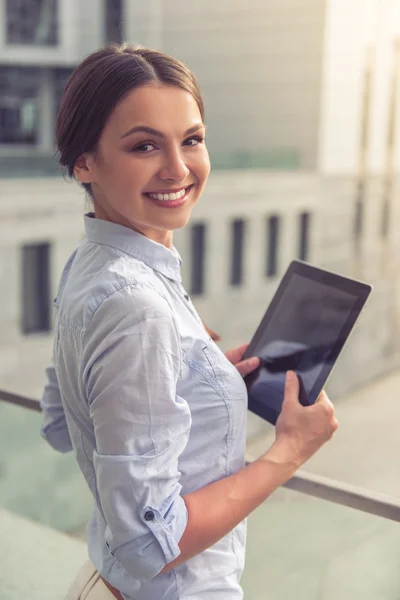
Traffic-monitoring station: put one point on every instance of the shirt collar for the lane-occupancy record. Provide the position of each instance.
(156, 256)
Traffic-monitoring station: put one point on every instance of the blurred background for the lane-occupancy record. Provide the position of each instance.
(303, 112)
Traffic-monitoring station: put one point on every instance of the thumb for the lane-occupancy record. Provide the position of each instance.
(292, 389)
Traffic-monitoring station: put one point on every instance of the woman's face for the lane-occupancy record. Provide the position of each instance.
(152, 163)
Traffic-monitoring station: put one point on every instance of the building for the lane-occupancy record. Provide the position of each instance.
(309, 96)
(302, 101)
(281, 80)
(40, 44)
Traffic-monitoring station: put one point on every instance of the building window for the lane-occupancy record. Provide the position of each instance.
(113, 21)
(238, 231)
(60, 78)
(272, 245)
(198, 240)
(32, 22)
(305, 218)
(36, 288)
(19, 105)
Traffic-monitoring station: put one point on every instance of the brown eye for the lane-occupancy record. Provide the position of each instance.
(193, 141)
(144, 148)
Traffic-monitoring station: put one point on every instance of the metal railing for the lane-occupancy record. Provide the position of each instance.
(20, 400)
(323, 488)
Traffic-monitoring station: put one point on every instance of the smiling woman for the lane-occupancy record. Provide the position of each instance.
(134, 137)
(153, 409)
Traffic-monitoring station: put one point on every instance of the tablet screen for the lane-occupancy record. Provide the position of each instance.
(304, 330)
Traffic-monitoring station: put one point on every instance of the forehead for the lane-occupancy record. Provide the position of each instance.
(167, 108)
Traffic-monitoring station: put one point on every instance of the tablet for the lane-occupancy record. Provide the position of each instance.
(304, 330)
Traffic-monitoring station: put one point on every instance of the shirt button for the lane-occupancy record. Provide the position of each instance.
(149, 516)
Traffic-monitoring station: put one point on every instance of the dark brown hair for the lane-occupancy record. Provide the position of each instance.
(99, 83)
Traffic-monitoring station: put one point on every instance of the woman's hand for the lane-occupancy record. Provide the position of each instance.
(302, 430)
(243, 366)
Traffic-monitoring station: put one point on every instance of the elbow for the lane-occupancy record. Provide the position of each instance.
(145, 560)
(148, 554)
(58, 438)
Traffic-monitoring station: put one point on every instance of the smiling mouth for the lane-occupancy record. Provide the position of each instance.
(171, 196)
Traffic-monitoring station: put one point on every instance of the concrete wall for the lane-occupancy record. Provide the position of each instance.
(356, 37)
(258, 63)
(342, 87)
(283, 82)
(385, 68)
(81, 27)
(32, 212)
(51, 210)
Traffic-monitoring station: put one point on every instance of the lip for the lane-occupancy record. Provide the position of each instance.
(170, 203)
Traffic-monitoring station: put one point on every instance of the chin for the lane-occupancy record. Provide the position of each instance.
(176, 221)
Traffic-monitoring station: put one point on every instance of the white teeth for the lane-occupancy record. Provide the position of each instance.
(166, 197)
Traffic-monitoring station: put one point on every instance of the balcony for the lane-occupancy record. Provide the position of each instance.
(315, 538)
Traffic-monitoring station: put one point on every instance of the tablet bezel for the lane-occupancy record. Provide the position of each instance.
(357, 288)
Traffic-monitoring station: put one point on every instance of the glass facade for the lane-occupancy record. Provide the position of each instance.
(272, 245)
(198, 249)
(19, 107)
(35, 288)
(238, 228)
(304, 235)
(113, 21)
(32, 22)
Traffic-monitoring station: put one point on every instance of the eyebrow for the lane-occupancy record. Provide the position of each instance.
(151, 131)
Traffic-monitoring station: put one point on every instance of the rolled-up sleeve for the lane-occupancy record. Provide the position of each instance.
(54, 427)
(131, 363)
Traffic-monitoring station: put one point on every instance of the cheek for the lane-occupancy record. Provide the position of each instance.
(203, 167)
(125, 172)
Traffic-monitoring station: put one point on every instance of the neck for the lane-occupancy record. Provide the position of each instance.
(165, 238)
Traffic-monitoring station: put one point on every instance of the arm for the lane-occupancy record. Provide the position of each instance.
(233, 498)
(131, 366)
(54, 427)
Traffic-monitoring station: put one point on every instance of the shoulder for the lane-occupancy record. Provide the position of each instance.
(133, 321)
(137, 300)
(103, 279)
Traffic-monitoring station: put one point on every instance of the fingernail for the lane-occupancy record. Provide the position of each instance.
(253, 361)
(290, 376)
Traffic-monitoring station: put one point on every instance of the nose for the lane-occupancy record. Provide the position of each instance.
(174, 167)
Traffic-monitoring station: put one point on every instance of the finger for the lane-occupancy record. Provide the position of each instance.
(236, 354)
(323, 399)
(292, 389)
(241, 350)
(335, 425)
(248, 366)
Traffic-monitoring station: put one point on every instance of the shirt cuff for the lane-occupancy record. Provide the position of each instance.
(143, 525)
(146, 556)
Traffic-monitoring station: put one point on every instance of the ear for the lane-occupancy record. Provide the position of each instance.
(84, 169)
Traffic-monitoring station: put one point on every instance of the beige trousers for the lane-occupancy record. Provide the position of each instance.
(88, 585)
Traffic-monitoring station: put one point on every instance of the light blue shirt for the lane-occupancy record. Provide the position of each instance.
(153, 410)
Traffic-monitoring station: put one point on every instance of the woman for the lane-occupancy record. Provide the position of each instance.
(154, 411)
